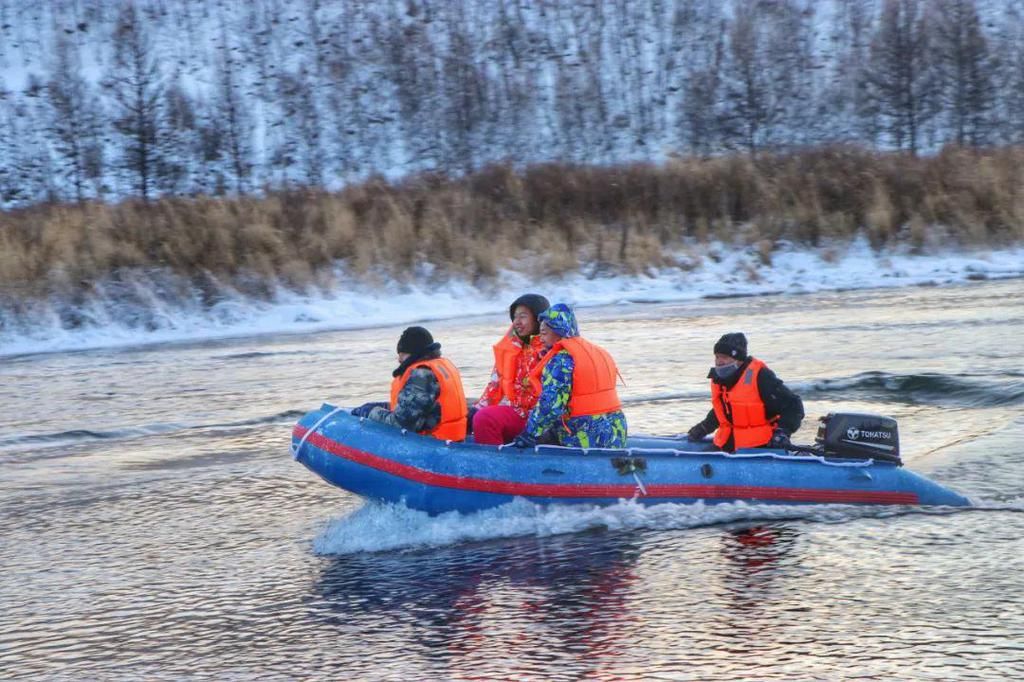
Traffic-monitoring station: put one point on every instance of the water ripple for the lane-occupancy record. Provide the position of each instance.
(155, 527)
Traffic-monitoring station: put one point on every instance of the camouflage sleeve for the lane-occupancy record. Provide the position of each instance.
(417, 409)
(556, 388)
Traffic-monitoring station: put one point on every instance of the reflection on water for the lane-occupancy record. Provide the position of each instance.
(757, 549)
(534, 599)
(154, 525)
(756, 576)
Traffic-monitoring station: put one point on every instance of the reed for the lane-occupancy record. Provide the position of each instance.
(550, 219)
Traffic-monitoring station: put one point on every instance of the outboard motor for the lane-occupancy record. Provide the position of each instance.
(859, 436)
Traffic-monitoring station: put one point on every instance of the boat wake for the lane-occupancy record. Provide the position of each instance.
(379, 527)
(994, 389)
(1014, 504)
(27, 446)
(959, 390)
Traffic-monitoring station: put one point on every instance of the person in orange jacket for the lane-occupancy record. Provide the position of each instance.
(500, 413)
(426, 391)
(750, 406)
(578, 405)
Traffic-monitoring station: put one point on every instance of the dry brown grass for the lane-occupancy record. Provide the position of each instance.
(625, 218)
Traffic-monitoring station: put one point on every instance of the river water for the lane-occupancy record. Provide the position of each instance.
(154, 525)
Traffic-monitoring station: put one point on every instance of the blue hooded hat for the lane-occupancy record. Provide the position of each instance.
(561, 320)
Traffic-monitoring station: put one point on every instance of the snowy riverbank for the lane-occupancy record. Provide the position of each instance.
(147, 307)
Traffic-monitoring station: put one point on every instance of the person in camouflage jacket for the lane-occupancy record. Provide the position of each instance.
(549, 420)
(418, 408)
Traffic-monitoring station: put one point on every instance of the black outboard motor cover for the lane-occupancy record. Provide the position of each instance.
(859, 435)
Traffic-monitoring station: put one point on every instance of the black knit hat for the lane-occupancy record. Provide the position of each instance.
(415, 341)
(535, 302)
(734, 345)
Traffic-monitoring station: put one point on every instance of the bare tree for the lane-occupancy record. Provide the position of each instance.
(965, 66)
(767, 75)
(231, 114)
(584, 114)
(27, 173)
(513, 61)
(180, 144)
(849, 114)
(628, 30)
(137, 88)
(300, 155)
(465, 89)
(699, 31)
(410, 61)
(900, 78)
(74, 120)
(1010, 76)
(14, 189)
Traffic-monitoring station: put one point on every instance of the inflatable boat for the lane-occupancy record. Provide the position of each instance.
(855, 461)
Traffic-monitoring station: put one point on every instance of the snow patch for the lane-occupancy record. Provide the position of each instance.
(151, 310)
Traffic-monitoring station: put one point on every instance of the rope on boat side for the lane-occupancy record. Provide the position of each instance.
(640, 489)
(801, 457)
(639, 486)
(297, 448)
(790, 457)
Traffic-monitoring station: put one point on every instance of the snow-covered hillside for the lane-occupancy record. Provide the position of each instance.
(114, 98)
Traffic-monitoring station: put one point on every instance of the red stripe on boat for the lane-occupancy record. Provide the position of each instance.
(484, 485)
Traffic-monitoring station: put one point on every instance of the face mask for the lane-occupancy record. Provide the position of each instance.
(725, 371)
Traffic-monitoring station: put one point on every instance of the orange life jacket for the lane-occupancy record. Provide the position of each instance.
(452, 425)
(593, 377)
(740, 411)
(506, 358)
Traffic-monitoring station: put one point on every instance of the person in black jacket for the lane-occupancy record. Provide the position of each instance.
(751, 407)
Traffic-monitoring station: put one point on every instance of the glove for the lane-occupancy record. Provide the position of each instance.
(780, 439)
(697, 433)
(524, 440)
(365, 409)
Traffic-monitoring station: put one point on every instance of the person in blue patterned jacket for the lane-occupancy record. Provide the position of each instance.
(578, 405)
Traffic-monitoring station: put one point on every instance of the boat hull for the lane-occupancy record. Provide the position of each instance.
(380, 462)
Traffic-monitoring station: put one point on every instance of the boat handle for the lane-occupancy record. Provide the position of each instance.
(297, 448)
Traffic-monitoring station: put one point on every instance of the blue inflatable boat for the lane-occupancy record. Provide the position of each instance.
(380, 462)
